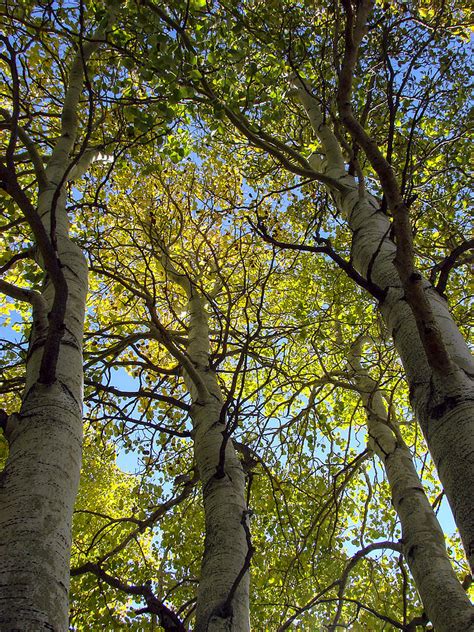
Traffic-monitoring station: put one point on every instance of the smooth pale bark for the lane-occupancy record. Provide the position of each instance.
(445, 601)
(40, 480)
(39, 483)
(223, 593)
(444, 405)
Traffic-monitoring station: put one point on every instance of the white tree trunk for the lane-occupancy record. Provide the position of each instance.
(39, 483)
(223, 593)
(40, 480)
(444, 405)
(443, 597)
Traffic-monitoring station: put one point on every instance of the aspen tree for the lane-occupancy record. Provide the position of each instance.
(445, 600)
(41, 476)
(223, 593)
(442, 402)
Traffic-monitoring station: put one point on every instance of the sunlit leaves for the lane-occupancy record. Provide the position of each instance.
(182, 177)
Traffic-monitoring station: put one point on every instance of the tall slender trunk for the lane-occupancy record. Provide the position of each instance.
(223, 594)
(39, 483)
(444, 405)
(443, 597)
(41, 477)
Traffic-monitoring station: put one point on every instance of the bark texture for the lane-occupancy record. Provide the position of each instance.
(443, 404)
(445, 601)
(223, 593)
(39, 483)
(40, 480)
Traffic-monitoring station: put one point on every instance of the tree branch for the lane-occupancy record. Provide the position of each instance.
(356, 558)
(326, 249)
(32, 150)
(428, 329)
(24, 294)
(167, 617)
(287, 156)
(445, 266)
(143, 525)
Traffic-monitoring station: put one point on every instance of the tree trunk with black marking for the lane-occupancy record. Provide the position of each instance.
(39, 483)
(223, 593)
(445, 601)
(443, 402)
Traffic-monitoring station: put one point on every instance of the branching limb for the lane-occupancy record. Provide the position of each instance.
(450, 262)
(326, 249)
(10, 184)
(58, 164)
(32, 150)
(19, 256)
(167, 617)
(329, 141)
(33, 297)
(89, 157)
(285, 155)
(170, 270)
(182, 357)
(172, 401)
(341, 584)
(412, 281)
(143, 525)
(356, 558)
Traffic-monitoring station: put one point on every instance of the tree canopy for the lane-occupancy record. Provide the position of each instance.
(272, 200)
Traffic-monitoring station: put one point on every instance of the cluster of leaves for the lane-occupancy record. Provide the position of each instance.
(185, 101)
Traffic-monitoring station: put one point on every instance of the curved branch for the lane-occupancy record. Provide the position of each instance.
(143, 525)
(167, 617)
(428, 329)
(32, 150)
(448, 263)
(386, 544)
(19, 256)
(33, 297)
(287, 156)
(326, 249)
(139, 393)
